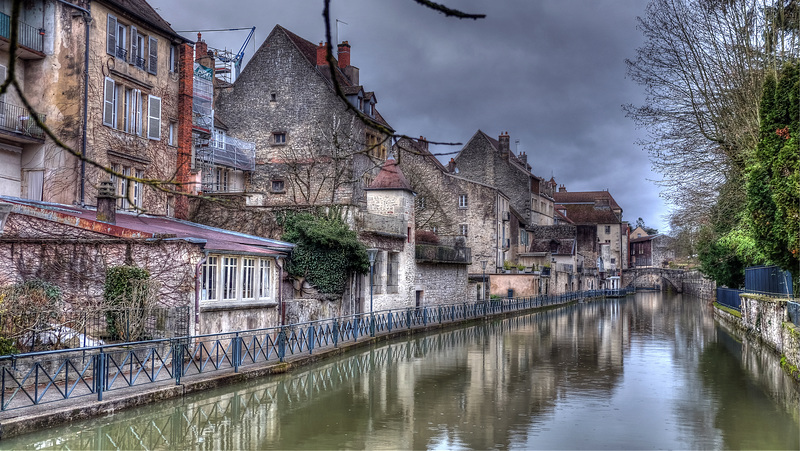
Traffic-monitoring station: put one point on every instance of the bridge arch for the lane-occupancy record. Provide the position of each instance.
(662, 279)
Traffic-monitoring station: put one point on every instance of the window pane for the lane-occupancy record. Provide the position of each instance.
(229, 278)
(209, 280)
(248, 278)
(264, 279)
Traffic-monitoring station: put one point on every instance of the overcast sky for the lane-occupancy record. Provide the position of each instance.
(550, 73)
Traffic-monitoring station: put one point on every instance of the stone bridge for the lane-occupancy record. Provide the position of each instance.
(662, 279)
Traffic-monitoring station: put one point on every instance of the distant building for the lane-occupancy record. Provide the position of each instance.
(651, 251)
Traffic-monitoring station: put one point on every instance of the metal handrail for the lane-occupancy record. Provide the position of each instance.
(29, 36)
(51, 376)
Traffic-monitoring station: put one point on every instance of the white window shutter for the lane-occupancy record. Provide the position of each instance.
(153, 117)
(108, 103)
(111, 42)
(152, 64)
(134, 43)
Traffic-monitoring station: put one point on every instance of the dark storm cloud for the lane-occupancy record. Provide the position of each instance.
(551, 73)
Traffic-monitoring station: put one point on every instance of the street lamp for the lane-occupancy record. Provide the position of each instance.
(483, 297)
(371, 253)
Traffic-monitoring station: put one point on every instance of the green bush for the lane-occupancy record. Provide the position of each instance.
(125, 292)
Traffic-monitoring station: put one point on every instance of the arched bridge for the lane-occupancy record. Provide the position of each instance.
(662, 279)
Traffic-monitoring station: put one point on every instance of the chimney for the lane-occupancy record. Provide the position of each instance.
(106, 203)
(505, 144)
(423, 142)
(344, 54)
(322, 50)
(562, 189)
(451, 166)
(524, 158)
(200, 47)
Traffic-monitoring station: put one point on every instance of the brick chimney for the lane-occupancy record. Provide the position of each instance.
(106, 203)
(322, 50)
(184, 156)
(451, 166)
(344, 54)
(524, 158)
(505, 142)
(423, 142)
(562, 189)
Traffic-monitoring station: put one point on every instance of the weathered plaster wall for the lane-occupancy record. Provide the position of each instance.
(524, 285)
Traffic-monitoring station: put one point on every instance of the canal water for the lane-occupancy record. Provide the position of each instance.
(649, 371)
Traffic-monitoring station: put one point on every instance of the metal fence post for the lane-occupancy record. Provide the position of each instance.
(311, 339)
(99, 380)
(281, 344)
(408, 317)
(390, 320)
(335, 334)
(236, 352)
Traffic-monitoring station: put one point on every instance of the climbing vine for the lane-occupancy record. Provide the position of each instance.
(327, 250)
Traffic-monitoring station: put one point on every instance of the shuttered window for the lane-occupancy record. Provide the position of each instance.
(109, 104)
(111, 31)
(154, 117)
(152, 63)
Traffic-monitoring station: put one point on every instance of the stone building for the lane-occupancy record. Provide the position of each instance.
(313, 147)
(122, 111)
(491, 161)
(455, 207)
(406, 272)
(228, 281)
(651, 251)
(602, 234)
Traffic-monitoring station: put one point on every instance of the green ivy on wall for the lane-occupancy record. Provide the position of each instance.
(327, 250)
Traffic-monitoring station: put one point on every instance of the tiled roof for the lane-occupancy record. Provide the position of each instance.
(561, 217)
(309, 51)
(414, 146)
(587, 214)
(390, 177)
(134, 226)
(566, 197)
(144, 12)
(565, 246)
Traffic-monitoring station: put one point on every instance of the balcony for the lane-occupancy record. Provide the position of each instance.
(30, 38)
(17, 120)
(393, 226)
(429, 253)
(228, 152)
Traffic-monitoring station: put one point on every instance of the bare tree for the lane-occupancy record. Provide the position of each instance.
(703, 65)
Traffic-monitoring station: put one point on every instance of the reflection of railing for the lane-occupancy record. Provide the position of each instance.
(91, 372)
(229, 152)
(30, 37)
(15, 118)
(388, 225)
(443, 254)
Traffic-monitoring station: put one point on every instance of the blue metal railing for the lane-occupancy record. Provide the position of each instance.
(729, 297)
(767, 280)
(44, 377)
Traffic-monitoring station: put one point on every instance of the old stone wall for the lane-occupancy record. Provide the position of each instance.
(441, 283)
(305, 310)
(77, 260)
(699, 287)
(765, 317)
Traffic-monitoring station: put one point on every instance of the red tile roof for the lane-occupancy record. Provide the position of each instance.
(587, 214)
(390, 177)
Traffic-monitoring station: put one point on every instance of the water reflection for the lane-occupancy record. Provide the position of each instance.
(649, 372)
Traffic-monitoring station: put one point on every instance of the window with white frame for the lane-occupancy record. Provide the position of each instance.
(248, 278)
(173, 58)
(264, 272)
(173, 133)
(229, 278)
(154, 117)
(608, 230)
(208, 279)
(110, 103)
(463, 229)
(462, 201)
(137, 48)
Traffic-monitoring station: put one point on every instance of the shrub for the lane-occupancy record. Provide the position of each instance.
(427, 237)
(127, 293)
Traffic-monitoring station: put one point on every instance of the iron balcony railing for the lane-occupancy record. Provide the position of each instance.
(32, 379)
(442, 254)
(228, 151)
(138, 61)
(385, 225)
(29, 36)
(14, 118)
(122, 53)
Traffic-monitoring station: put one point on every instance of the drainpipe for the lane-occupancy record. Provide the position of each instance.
(281, 313)
(197, 293)
(86, 19)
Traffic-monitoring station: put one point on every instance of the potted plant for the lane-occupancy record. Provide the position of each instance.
(520, 267)
(506, 267)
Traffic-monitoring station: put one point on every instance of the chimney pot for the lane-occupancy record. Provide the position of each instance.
(106, 203)
(322, 50)
(344, 54)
